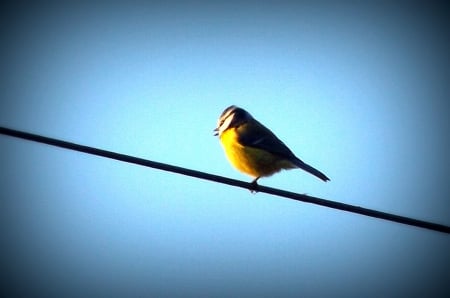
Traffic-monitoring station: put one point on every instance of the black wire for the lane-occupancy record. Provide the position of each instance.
(224, 180)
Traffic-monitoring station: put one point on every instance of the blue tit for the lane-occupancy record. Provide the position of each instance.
(255, 150)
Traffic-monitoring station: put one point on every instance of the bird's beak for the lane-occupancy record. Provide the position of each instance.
(216, 131)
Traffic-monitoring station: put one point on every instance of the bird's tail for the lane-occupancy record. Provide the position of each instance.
(312, 170)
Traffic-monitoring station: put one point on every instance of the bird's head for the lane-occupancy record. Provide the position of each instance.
(231, 117)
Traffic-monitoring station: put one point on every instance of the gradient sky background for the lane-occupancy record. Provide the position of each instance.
(359, 91)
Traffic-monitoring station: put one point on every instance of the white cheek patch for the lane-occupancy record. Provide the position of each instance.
(226, 123)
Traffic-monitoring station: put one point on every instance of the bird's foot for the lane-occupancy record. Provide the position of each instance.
(254, 186)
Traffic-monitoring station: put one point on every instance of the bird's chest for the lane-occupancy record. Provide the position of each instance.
(250, 160)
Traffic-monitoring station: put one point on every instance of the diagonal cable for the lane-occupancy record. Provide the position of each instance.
(224, 180)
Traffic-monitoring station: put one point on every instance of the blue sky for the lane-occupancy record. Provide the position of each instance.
(358, 91)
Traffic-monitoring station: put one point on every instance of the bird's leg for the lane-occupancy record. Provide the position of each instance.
(254, 185)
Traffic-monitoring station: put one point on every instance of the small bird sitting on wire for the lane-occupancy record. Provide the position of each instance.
(255, 150)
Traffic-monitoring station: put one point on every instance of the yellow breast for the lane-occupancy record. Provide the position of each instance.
(251, 161)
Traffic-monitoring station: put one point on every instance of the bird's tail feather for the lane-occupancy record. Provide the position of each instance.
(312, 170)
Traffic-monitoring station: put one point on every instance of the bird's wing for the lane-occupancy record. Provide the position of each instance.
(259, 136)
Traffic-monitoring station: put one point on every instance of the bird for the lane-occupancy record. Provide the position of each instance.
(255, 150)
